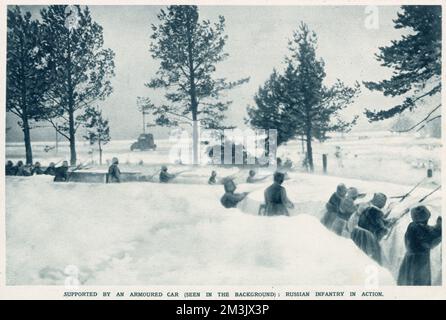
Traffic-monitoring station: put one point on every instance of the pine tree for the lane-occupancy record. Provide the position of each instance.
(188, 50)
(268, 113)
(98, 130)
(297, 102)
(82, 68)
(27, 72)
(415, 60)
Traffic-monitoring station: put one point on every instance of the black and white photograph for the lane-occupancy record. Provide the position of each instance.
(223, 145)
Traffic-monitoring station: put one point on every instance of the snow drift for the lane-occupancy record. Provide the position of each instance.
(176, 234)
(311, 192)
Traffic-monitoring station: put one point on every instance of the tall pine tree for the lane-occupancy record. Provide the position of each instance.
(298, 102)
(415, 60)
(268, 113)
(27, 72)
(82, 67)
(188, 50)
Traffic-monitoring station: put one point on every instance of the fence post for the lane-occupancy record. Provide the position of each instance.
(324, 162)
(429, 173)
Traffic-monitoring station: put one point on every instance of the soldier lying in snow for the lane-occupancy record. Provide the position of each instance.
(166, 176)
(252, 177)
(213, 177)
(10, 169)
(51, 169)
(37, 169)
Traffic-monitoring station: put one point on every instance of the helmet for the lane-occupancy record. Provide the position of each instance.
(352, 193)
(420, 214)
(279, 177)
(379, 200)
(341, 189)
(347, 206)
(229, 185)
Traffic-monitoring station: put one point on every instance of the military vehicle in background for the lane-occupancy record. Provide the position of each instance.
(145, 142)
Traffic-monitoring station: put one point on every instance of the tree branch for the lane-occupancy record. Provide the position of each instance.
(436, 117)
(420, 122)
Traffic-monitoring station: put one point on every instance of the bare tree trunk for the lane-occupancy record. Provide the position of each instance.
(72, 133)
(309, 150)
(100, 152)
(72, 130)
(27, 140)
(193, 98)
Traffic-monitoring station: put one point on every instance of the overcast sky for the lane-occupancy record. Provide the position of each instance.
(257, 43)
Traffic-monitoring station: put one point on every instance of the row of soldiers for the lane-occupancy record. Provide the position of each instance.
(276, 200)
(114, 175)
(60, 173)
(367, 225)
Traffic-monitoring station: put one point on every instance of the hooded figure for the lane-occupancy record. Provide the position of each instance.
(37, 169)
(165, 177)
(352, 193)
(252, 177)
(61, 174)
(114, 174)
(21, 170)
(333, 204)
(352, 222)
(420, 238)
(51, 169)
(371, 228)
(231, 199)
(10, 170)
(276, 200)
(346, 210)
(213, 177)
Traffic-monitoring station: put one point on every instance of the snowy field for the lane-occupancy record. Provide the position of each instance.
(153, 234)
(365, 155)
(179, 234)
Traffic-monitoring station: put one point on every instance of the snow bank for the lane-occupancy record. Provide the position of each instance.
(310, 193)
(149, 234)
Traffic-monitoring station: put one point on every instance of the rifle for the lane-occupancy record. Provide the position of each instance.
(78, 167)
(408, 210)
(408, 193)
(424, 198)
(180, 172)
(232, 176)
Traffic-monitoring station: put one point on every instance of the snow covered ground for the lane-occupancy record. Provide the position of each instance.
(382, 156)
(150, 234)
(146, 233)
(311, 192)
(365, 155)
